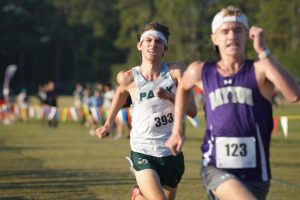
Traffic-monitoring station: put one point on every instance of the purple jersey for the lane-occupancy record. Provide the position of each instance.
(238, 123)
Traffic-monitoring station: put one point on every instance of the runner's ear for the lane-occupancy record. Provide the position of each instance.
(213, 39)
(139, 46)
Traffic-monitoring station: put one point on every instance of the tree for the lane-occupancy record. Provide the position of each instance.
(281, 23)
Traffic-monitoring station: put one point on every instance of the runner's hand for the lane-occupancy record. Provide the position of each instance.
(102, 132)
(164, 94)
(256, 34)
(175, 143)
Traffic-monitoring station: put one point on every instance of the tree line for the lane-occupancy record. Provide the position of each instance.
(71, 41)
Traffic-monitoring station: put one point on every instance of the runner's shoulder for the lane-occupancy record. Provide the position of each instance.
(125, 77)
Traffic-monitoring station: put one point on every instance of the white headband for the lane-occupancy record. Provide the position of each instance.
(219, 19)
(156, 34)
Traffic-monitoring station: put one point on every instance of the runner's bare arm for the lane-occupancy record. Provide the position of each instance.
(270, 72)
(191, 77)
(177, 73)
(124, 79)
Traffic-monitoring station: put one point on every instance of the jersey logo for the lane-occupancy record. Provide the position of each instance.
(225, 95)
(142, 161)
(150, 94)
(228, 82)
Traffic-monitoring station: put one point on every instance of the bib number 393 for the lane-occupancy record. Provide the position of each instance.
(235, 152)
(163, 120)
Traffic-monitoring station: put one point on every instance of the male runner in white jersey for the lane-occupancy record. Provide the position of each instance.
(152, 86)
(238, 109)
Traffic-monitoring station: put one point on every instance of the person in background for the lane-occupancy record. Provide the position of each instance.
(23, 105)
(78, 102)
(94, 105)
(108, 96)
(85, 105)
(51, 101)
(42, 93)
(78, 95)
(238, 109)
(100, 87)
(7, 104)
(2, 105)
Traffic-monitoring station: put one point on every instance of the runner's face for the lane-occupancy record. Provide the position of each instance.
(152, 47)
(231, 39)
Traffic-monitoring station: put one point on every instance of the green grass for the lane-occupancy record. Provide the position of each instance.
(37, 162)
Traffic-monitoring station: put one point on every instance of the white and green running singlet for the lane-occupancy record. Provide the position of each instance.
(152, 117)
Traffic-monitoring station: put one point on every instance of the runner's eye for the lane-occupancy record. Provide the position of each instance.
(159, 41)
(238, 30)
(224, 31)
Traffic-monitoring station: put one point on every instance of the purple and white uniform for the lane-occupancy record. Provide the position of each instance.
(238, 123)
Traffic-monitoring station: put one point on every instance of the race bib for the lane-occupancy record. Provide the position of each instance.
(235, 152)
(161, 121)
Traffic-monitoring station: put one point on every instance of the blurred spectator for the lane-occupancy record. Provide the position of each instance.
(42, 93)
(78, 95)
(2, 104)
(8, 101)
(85, 96)
(89, 89)
(23, 105)
(51, 101)
(94, 104)
(107, 100)
(108, 96)
(51, 94)
(100, 87)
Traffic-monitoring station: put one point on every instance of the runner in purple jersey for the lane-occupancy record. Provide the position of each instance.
(237, 106)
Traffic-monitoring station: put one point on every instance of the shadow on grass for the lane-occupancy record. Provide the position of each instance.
(58, 184)
(285, 165)
(286, 183)
(45, 178)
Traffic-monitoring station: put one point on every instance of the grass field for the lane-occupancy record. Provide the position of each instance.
(37, 162)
